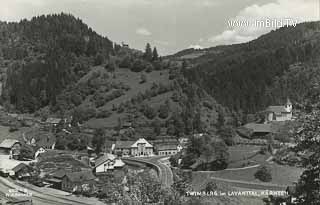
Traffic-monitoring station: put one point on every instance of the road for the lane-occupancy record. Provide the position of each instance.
(164, 171)
(40, 197)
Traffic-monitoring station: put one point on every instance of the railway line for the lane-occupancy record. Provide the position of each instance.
(164, 171)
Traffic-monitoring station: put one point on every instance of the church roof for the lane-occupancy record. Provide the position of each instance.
(276, 109)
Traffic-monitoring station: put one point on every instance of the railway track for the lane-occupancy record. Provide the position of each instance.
(39, 198)
(164, 171)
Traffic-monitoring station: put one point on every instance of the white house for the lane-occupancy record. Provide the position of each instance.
(168, 149)
(108, 162)
(38, 150)
(279, 113)
(141, 147)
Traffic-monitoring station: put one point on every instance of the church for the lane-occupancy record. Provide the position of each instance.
(279, 113)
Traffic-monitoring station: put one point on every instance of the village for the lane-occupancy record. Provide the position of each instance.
(79, 171)
(32, 156)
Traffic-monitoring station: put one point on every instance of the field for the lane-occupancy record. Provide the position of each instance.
(5, 133)
(244, 155)
(281, 175)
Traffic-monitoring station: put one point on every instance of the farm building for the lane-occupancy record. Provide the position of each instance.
(108, 162)
(254, 130)
(11, 147)
(22, 171)
(72, 180)
(167, 149)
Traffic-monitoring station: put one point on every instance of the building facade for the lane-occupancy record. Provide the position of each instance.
(279, 113)
(141, 147)
(108, 162)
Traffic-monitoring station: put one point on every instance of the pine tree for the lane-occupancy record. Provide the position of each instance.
(148, 52)
(155, 55)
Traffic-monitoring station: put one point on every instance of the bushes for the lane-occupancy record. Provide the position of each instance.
(164, 111)
(148, 111)
(103, 114)
(126, 62)
(263, 174)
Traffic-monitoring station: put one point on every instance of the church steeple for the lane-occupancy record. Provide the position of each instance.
(288, 105)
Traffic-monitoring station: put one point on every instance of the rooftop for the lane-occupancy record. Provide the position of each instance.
(8, 143)
(80, 176)
(104, 158)
(52, 120)
(276, 109)
(59, 173)
(123, 144)
(164, 147)
(19, 167)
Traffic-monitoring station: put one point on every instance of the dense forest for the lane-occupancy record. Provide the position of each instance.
(42, 56)
(243, 77)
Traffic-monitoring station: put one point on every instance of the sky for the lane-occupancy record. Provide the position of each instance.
(172, 25)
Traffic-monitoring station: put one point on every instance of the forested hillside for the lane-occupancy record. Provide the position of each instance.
(42, 56)
(245, 77)
(56, 65)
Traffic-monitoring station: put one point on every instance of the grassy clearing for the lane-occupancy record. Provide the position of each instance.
(282, 175)
(199, 181)
(5, 133)
(243, 155)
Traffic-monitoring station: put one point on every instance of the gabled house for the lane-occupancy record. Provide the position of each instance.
(11, 147)
(254, 130)
(55, 178)
(108, 162)
(22, 171)
(72, 180)
(141, 147)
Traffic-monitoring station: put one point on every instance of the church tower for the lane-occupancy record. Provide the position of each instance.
(288, 105)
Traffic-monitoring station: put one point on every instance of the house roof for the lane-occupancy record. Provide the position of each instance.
(164, 147)
(80, 176)
(258, 128)
(59, 173)
(123, 144)
(8, 143)
(166, 139)
(119, 163)
(19, 167)
(142, 141)
(104, 158)
(277, 109)
(52, 120)
(54, 180)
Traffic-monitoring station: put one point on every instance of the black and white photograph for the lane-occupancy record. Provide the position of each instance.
(159, 102)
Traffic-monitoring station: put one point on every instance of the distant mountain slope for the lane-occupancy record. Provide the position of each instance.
(40, 57)
(237, 76)
(56, 65)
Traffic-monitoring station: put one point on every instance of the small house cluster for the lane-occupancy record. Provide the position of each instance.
(274, 115)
